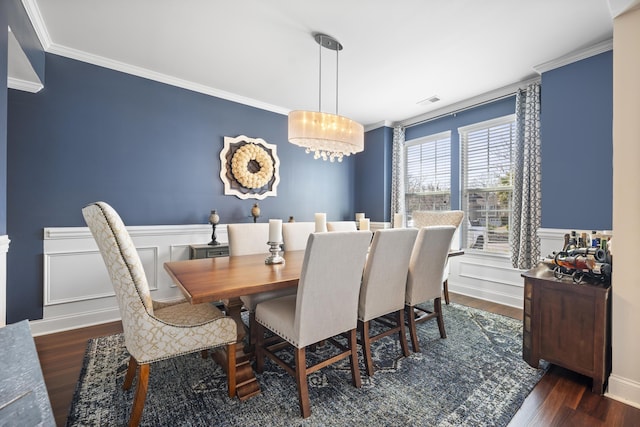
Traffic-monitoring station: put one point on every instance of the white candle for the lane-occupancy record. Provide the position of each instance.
(359, 216)
(321, 222)
(398, 220)
(275, 230)
(364, 224)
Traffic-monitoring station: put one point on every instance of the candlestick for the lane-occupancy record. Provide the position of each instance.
(398, 220)
(321, 222)
(274, 257)
(275, 230)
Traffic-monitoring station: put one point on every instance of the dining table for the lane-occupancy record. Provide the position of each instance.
(225, 280)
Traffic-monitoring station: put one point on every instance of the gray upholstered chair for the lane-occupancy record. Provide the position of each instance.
(428, 218)
(341, 226)
(326, 305)
(250, 239)
(296, 234)
(383, 287)
(154, 331)
(424, 280)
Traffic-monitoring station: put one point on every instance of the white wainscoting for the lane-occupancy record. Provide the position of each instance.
(492, 278)
(76, 285)
(4, 248)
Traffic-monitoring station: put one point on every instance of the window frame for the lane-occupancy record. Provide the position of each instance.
(463, 133)
(433, 138)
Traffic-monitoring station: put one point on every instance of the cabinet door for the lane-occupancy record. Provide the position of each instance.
(567, 322)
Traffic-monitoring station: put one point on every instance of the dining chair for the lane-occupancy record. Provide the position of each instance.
(383, 287)
(325, 305)
(250, 239)
(153, 330)
(427, 218)
(424, 280)
(296, 234)
(341, 226)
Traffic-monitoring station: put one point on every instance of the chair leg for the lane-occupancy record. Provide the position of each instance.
(204, 353)
(140, 396)
(258, 348)
(445, 286)
(131, 373)
(366, 346)
(301, 381)
(253, 333)
(353, 359)
(437, 307)
(412, 329)
(231, 369)
(402, 333)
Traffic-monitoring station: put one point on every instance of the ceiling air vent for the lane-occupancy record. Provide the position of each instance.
(429, 100)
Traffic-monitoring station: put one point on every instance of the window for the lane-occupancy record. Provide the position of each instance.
(487, 183)
(428, 174)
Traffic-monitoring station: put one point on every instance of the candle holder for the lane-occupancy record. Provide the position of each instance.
(214, 219)
(274, 257)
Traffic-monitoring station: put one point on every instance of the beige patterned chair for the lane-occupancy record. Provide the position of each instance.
(383, 287)
(428, 218)
(296, 234)
(153, 331)
(341, 226)
(424, 281)
(326, 305)
(251, 239)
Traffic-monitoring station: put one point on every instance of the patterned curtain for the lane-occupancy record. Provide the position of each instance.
(525, 221)
(397, 173)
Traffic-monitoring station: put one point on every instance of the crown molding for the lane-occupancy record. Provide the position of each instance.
(33, 12)
(159, 77)
(493, 95)
(575, 56)
(382, 123)
(24, 85)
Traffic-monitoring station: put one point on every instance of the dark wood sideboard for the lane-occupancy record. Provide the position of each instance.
(568, 324)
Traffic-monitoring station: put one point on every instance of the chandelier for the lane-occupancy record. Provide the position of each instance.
(327, 136)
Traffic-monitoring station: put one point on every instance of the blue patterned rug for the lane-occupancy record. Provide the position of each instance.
(474, 377)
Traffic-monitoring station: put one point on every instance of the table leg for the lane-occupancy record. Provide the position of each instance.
(246, 383)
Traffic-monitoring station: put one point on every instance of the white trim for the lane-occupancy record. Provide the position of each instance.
(575, 56)
(162, 78)
(4, 248)
(33, 12)
(620, 386)
(484, 98)
(23, 85)
(64, 233)
(428, 138)
(509, 118)
(383, 123)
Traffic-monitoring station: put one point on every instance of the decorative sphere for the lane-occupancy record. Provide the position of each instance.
(214, 218)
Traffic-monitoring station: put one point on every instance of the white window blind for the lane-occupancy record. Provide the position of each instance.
(487, 158)
(428, 173)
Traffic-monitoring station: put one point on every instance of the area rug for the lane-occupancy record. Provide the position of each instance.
(474, 377)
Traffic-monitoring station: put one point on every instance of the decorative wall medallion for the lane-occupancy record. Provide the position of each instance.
(249, 167)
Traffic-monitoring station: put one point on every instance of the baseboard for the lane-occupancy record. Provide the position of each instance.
(74, 321)
(4, 248)
(487, 295)
(624, 390)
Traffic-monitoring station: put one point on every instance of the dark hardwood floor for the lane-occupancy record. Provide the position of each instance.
(561, 398)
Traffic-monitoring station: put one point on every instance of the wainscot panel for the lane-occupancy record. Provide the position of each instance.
(77, 288)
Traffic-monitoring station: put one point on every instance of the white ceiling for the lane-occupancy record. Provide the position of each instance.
(262, 52)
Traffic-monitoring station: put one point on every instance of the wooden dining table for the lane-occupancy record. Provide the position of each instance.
(225, 280)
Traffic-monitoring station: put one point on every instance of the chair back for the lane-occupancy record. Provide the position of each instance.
(296, 234)
(428, 259)
(248, 239)
(385, 272)
(429, 218)
(327, 298)
(341, 226)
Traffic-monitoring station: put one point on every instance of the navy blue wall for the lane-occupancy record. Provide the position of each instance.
(149, 149)
(452, 122)
(3, 118)
(373, 175)
(577, 144)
